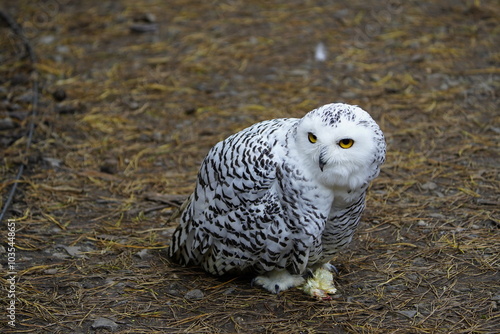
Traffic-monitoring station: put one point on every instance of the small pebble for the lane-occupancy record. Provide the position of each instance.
(320, 53)
(73, 251)
(62, 49)
(143, 27)
(195, 294)
(429, 186)
(48, 39)
(59, 94)
(7, 123)
(145, 17)
(53, 162)
(64, 108)
(109, 166)
(149, 17)
(422, 223)
(51, 271)
(105, 323)
(143, 254)
(410, 313)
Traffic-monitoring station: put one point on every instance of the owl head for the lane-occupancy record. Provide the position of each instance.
(341, 145)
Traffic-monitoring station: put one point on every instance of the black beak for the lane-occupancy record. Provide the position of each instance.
(322, 161)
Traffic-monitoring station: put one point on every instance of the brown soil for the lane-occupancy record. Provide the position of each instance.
(132, 94)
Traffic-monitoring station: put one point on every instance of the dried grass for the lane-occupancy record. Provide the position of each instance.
(110, 164)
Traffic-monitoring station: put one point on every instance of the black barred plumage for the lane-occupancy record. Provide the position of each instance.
(269, 200)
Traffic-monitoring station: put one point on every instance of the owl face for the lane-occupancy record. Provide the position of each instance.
(340, 144)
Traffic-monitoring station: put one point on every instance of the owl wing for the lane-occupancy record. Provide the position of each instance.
(234, 218)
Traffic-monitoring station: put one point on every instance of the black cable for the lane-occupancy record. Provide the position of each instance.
(34, 104)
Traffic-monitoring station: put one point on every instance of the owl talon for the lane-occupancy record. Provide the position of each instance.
(331, 268)
(252, 282)
(308, 274)
(277, 281)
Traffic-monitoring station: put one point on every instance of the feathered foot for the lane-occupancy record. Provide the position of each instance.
(278, 280)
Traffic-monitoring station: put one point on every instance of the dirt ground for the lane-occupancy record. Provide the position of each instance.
(131, 96)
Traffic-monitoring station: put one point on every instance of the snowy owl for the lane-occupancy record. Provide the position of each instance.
(281, 197)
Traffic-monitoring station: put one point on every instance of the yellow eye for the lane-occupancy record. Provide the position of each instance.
(346, 143)
(312, 138)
